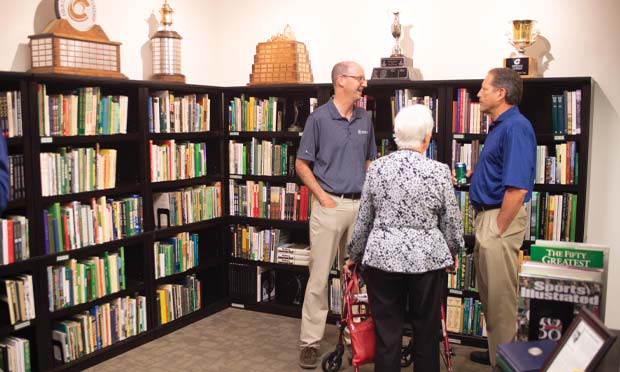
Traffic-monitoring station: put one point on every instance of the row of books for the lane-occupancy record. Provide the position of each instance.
(176, 254)
(177, 161)
(267, 245)
(253, 114)
(260, 200)
(188, 205)
(467, 211)
(335, 296)
(177, 300)
(77, 282)
(14, 238)
(101, 326)
(17, 183)
(15, 354)
(386, 147)
(407, 97)
(264, 158)
(467, 153)
(465, 316)
(466, 115)
(170, 113)
(562, 168)
(75, 225)
(16, 299)
(11, 123)
(73, 170)
(85, 111)
(566, 112)
(242, 283)
(366, 102)
(465, 276)
(552, 217)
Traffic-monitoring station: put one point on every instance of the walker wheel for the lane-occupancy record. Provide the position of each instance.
(331, 362)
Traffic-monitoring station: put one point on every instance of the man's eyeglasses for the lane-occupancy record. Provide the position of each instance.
(358, 78)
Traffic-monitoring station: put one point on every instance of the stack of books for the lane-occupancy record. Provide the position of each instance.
(524, 356)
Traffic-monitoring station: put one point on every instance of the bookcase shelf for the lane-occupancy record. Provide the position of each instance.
(75, 309)
(84, 140)
(274, 179)
(188, 136)
(215, 243)
(282, 266)
(266, 135)
(10, 329)
(187, 182)
(200, 225)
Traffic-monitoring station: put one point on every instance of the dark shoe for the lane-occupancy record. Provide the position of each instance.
(308, 358)
(481, 357)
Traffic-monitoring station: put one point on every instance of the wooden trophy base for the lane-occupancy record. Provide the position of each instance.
(176, 78)
(524, 66)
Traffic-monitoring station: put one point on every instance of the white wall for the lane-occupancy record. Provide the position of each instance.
(448, 39)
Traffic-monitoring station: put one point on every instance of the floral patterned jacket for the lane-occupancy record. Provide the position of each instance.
(408, 220)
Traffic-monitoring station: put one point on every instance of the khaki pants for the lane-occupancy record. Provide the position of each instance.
(330, 231)
(496, 259)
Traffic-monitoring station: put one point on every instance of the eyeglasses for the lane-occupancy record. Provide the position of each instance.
(358, 78)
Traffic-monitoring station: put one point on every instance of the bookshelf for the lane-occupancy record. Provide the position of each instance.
(216, 266)
(290, 279)
(136, 242)
(537, 105)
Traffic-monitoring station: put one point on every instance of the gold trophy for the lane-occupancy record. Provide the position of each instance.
(524, 34)
(396, 66)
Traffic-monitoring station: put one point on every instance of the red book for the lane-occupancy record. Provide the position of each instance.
(10, 241)
(65, 230)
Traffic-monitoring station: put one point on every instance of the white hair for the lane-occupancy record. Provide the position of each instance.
(411, 125)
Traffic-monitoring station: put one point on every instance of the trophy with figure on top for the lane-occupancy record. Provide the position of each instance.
(397, 65)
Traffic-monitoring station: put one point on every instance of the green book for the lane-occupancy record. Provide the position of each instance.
(27, 366)
(121, 268)
(567, 254)
(573, 218)
(106, 269)
(56, 231)
(502, 364)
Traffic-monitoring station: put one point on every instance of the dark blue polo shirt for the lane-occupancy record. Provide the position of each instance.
(508, 159)
(338, 148)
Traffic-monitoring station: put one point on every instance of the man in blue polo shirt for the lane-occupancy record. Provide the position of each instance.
(502, 182)
(337, 146)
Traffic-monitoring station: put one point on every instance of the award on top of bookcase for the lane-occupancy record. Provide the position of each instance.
(73, 44)
(282, 60)
(397, 65)
(523, 34)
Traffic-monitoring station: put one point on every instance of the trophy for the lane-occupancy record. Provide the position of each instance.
(523, 35)
(396, 31)
(396, 66)
(295, 126)
(74, 44)
(166, 48)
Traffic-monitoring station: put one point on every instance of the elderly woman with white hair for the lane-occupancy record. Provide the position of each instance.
(406, 235)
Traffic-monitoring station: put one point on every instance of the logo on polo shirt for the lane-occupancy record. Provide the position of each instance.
(360, 131)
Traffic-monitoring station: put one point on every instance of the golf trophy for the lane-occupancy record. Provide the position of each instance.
(523, 35)
(396, 66)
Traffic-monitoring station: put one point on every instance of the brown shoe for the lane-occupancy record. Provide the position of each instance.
(308, 358)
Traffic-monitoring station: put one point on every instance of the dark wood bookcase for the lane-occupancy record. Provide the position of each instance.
(215, 238)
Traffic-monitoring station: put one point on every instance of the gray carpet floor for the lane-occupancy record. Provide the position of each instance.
(239, 340)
